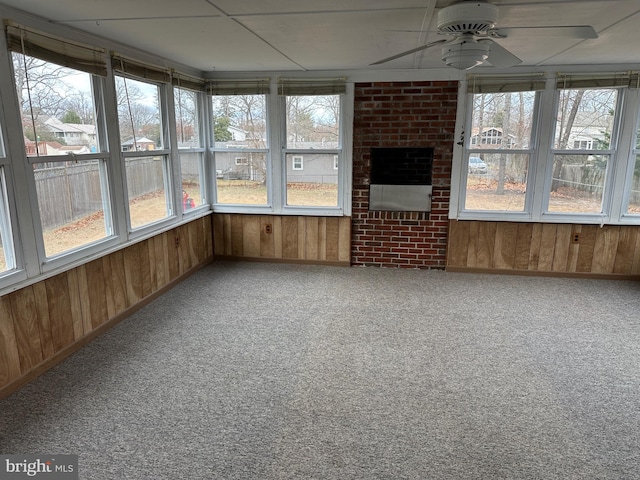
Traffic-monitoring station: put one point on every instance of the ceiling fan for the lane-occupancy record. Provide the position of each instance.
(473, 28)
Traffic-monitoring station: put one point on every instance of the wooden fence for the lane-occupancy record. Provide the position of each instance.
(70, 191)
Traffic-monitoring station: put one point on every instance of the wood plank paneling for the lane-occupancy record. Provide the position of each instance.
(27, 333)
(75, 302)
(344, 240)
(626, 250)
(250, 231)
(544, 247)
(505, 245)
(534, 249)
(331, 234)
(573, 249)
(60, 316)
(118, 283)
(289, 237)
(604, 252)
(44, 323)
(587, 245)
(267, 239)
(485, 244)
(547, 246)
(561, 248)
(9, 355)
(472, 252)
(458, 241)
(523, 246)
(97, 298)
(301, 238)
(311, 247)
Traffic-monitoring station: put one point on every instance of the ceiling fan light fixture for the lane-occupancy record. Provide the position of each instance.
(465, 55)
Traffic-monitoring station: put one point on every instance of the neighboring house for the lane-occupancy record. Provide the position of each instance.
(303, 167)
(588, 132)
(72, 133)
(142, 143)
(491, 137)
(44, 148)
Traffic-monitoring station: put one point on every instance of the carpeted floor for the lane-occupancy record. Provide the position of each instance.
(262, 371)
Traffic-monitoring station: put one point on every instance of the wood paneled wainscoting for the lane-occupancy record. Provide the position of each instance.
(544, 248)
(285, 238)
(43, 323)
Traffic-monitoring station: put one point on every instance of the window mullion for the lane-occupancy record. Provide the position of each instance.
(276, 118)
(625, 157)
(544, 156)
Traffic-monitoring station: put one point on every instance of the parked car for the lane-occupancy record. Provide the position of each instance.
(476, 165)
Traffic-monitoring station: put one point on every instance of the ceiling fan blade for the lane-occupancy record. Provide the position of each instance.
(501, 57)
(409, 52)
(569, 31)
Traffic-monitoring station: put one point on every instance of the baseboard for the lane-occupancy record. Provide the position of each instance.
(538, 273)
(283, 260)
(58, 357)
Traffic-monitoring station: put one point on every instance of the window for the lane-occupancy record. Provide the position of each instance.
(312, 126)
(550, 150)
(7, 254)
(497, 173)
(190, 146)
(578, 174)
(144, 146)
(297, 162)
(70, 172)
(632, 205)
(279, 145)
(241, 147)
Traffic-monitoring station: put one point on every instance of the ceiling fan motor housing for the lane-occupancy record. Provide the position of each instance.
(467, 17)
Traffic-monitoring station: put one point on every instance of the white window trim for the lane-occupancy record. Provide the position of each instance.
(276, 169)
(297, 162)
(617, 182)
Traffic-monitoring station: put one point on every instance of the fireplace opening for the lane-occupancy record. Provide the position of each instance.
(400, 179)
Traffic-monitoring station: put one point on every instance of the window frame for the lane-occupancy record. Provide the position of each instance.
(297, 162)
(620, 166)
(276, 156)
(169, 166)
(241, 151)
(201, 150)
(104, 158)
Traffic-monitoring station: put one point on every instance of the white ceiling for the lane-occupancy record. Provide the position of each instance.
(308, 35)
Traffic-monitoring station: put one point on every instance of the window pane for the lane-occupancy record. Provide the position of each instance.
(70, 200)
(585, 119)
(146, 187)
(497, 182)
(7, 257)
(241, 178)
(577, 183)
(313, 122)
(191, 166)
(187, 128)
(57, 107)
(139, 115)
(239, 121)
(502, 120)
(312, 180)
(634, 194)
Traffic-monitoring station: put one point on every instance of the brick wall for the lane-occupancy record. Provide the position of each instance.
(402, 114)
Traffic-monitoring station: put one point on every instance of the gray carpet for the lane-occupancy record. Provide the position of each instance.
(259, 371)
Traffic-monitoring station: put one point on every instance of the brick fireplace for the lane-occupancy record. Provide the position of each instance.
(402, 114)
